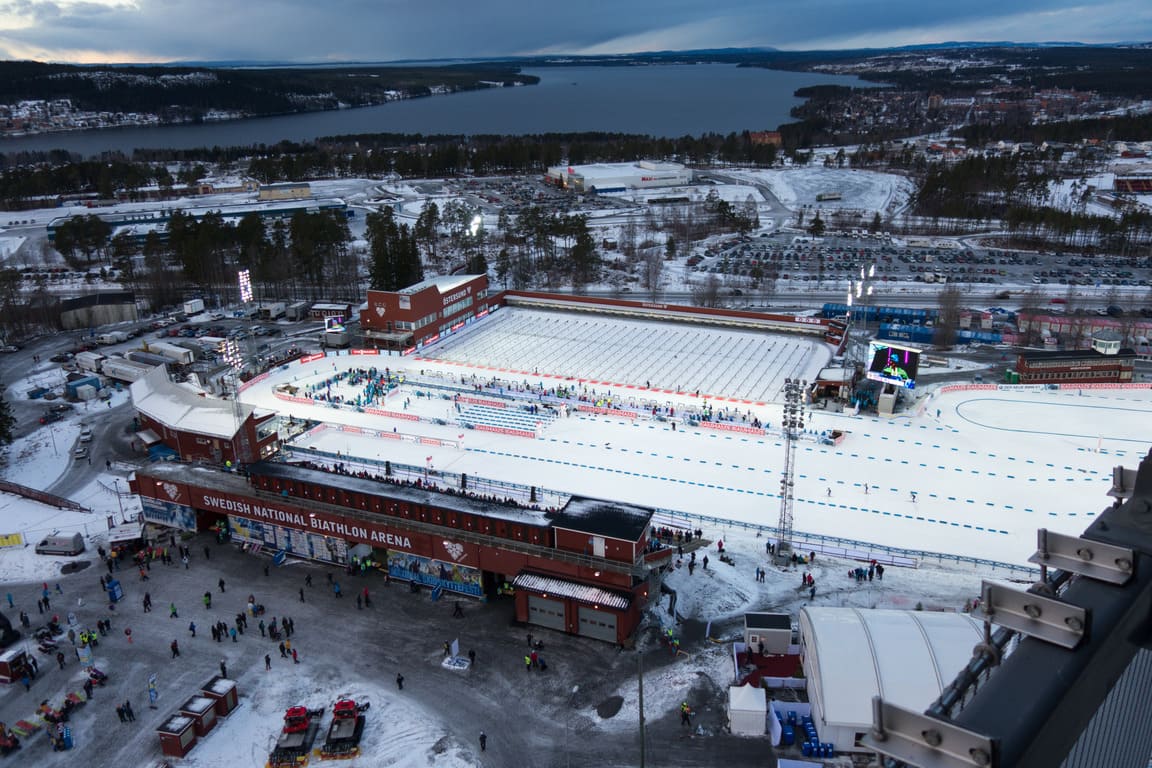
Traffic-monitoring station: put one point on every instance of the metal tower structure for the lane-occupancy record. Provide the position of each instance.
(230, 351)
(793, 424)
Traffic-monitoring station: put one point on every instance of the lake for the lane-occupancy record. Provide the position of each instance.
(660, 100)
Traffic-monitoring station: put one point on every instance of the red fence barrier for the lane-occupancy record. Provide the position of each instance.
(481, 401)
(392, 414)
(608, 411)
(505, 431)
(729, 427)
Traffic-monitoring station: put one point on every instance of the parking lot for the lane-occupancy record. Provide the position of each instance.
(798, 259)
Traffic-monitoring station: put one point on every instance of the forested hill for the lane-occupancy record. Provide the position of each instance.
(183, 93)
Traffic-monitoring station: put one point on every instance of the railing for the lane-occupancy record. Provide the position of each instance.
(437, 479)
(44, 498)
(894, 555)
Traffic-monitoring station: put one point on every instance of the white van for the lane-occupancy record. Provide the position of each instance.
(61, 544)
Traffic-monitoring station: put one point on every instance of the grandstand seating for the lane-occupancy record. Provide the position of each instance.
(716, 361)
(505, 418)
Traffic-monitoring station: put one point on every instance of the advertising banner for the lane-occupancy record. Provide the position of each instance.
(169, 513)
(434, 573)
(11, 540)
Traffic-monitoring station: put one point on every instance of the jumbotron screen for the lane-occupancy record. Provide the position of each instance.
(893, 364)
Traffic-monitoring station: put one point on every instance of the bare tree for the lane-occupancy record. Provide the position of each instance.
(948, 302)
(1030, 304)
(652, 270)
(707, 293)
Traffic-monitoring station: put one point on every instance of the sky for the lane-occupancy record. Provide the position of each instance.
(95, 31)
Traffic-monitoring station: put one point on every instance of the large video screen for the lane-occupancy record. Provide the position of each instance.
(893, 364)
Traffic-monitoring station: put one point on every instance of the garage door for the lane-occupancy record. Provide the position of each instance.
(598, 624)
(545, 612)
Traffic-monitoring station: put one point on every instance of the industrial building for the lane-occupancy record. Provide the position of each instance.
(618, 177)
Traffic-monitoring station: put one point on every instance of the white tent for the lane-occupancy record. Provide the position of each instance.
(747, 710)
(853, 654)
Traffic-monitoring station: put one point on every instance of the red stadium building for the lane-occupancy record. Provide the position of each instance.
(1082, 366)
(420, 313)
(586, 568)
(198, 427)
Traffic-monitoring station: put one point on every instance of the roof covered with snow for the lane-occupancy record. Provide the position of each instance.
(197, 705)
(160, 399)
(582, 593)
(853, 654)
(605, 518)
(444, 283)
(747, 698)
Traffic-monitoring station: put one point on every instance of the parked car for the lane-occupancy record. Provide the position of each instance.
(81, 453)
(86, 434)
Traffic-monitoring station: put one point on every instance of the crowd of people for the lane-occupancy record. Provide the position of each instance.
(340, 468)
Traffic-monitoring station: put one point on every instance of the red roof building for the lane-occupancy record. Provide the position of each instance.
(420, 313)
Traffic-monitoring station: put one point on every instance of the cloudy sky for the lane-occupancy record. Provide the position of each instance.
(382, 30)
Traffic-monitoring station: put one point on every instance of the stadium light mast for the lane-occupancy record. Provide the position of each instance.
(230, 352)
(859, 295)
(793, 424)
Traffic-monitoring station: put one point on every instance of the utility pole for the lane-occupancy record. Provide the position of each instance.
(640, 675)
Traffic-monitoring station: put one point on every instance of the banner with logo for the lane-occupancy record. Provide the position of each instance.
(11, 540)
(169, 514)
(450, 576)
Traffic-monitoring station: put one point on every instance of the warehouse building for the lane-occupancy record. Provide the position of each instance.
(618, 177)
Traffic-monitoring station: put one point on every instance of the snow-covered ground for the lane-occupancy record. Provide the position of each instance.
(987, 468)
(860, 190)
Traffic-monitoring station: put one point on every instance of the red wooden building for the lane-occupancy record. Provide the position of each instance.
(586, 568)
(420, 313)
(1079, 366)
(198, 427)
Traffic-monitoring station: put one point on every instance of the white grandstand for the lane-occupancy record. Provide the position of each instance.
(677, 357)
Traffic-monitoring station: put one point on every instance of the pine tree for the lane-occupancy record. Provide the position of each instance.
(7, 422)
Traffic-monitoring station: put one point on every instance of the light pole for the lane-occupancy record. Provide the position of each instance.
(859, 293)
(119, 500)
(568, 724)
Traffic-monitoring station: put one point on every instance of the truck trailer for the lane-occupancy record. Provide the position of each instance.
(194, 306)
(89, 361)
(175, 354)
(274, 311)
(124, 370)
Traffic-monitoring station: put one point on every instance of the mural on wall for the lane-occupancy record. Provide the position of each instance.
(434, 573)
(169, 513)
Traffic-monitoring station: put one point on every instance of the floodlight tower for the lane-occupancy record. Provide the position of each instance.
(230, 352)
(793, 424)
(244, 277)
(859, 293)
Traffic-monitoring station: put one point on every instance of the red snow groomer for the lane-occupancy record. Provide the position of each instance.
(346, 730)
(296, 738)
